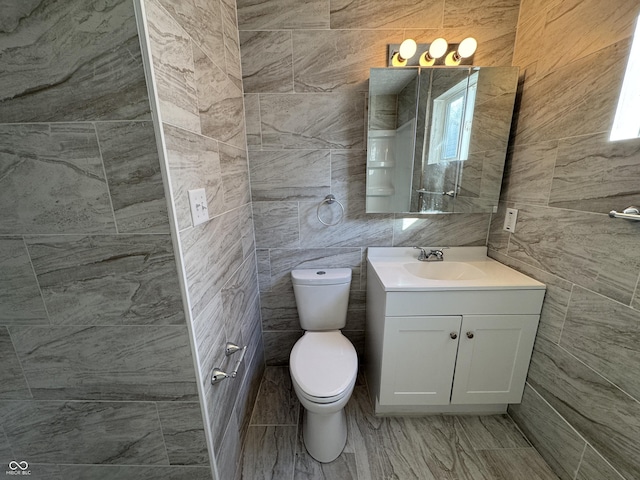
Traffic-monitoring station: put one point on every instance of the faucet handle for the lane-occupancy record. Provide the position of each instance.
(423, 254)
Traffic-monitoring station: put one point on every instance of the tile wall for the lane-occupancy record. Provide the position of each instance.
(196, 65)
(305, 69)
(581, 407)
(96, 371)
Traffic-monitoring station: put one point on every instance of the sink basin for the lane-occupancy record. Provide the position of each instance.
(444, 270)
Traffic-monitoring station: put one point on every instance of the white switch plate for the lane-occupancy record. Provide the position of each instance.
(198, 203)
(510, 220)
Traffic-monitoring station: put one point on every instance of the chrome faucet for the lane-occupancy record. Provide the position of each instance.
(432, 256)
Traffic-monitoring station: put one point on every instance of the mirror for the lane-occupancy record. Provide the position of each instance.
(437, 138)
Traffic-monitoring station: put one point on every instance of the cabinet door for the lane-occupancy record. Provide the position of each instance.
(493, 358)
(418, 360)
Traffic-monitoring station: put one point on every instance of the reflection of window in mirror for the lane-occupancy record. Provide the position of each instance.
(451, 122)
(627, 120)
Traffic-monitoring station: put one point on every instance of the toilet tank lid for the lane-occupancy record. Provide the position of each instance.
(321, 276)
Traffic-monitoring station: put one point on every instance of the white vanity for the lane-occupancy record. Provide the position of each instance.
(451, 336)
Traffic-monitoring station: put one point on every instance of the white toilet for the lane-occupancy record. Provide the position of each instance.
(323, 363)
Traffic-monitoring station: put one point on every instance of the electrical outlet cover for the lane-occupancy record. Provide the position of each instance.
(510, 220)
(198, 203)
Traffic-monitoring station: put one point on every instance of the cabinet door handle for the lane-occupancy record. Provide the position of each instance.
(469, 334)
(453, 335)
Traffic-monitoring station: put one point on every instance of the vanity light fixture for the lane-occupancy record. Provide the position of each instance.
(438, 53)
(466, 49)
(406, 51)
(436, 50)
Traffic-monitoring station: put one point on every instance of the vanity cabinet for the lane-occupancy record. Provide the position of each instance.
(449, 351)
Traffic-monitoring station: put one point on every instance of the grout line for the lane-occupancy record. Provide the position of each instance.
(575, 475)
(164, 442)
(566, 314)
(35, 276)
(26, 380)
(106, 179)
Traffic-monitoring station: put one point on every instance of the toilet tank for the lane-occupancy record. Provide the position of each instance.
(322, 297)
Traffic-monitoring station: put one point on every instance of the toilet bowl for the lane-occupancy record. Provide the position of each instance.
(323, 362)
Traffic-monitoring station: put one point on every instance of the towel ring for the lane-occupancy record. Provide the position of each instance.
(329, 199)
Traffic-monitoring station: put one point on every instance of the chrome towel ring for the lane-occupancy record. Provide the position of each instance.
(329, 199)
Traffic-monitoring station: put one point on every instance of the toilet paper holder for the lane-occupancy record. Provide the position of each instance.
(218, 375)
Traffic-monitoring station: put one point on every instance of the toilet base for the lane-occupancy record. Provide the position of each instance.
(325, 435)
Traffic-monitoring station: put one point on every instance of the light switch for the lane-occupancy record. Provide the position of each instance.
(198, 203)
(510, 220)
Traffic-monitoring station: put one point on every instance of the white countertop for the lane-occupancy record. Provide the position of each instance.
(387, 263)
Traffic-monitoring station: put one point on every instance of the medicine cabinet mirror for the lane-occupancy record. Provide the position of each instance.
(437, 138)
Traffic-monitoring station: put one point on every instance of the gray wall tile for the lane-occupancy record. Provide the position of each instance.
(462, 13)
(529, 173)
(308, 175)
(231, 42)
(107, 363)
(118, 433)
(117, 472)
(267, 64)
(108, 280)
(130, 157)
(183, 433)
(282, 14)
(278, 345)
(13, 384)
(235, 176)
(44, 83)
(252, 119)
(440, 230)
(372, 14)
(74, 198)
(279, 311)
(20, 299)
(276, 224)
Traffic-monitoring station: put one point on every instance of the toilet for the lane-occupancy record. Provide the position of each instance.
(323, 362)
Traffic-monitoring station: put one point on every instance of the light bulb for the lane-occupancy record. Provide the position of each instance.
(408, 49)
(438, 48)
(467, 47)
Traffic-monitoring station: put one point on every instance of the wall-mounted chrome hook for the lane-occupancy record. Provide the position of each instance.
(231, 348)
(217, 376)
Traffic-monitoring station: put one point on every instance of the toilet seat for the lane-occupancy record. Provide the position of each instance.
(324, 366)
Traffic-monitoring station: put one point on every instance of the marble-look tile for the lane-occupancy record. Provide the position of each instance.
(220, 102)
(549, 433)
(347, 14)
(471, 13)
(277, 403)
(356, 320)
(593, 173)
(194, 162)
(492, 432)
(239, 295)
(118, 472)
(492, 123)
(203, 21)
(553, 106)
(382, 112)
(594, 466)
(117, 433)
(173, 63)
(228, 453)
(6, 455)
(498, 240)
(604, 415)
(20, 299)
(52, 180)
(108, 280)
(578, 248)
(264, 265)
(285, 260)
(231, 42)
(212, 253)
(252, 119)
(247, 233)
(278, 345)
(615, 23)
(13, 384)
(235, 176)
(251, 381)
(130, 157)
(527, 44)
(276, 224)
(529, 173)
(290, 175)
(107, 363)
(183, 433)
(283, 14)
(269, 452)
(605, 335)
(516, 464)
(556, 297)
(334, 60)
(441, 230)
(279, 310)
(320, 120)
(210, 338)
(306, 468)
(71, 61)
(267, 65)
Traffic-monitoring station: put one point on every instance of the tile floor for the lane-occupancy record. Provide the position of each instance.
(385, 448)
